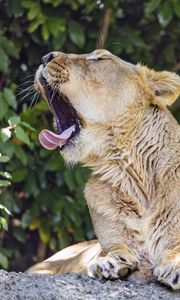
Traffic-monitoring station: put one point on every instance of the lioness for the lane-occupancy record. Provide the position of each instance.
(112, 116)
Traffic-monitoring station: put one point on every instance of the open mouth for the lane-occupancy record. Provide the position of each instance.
(66, 119)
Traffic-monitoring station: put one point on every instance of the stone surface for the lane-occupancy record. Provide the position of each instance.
(19, 286)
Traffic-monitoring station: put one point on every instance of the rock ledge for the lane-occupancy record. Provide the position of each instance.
(19, 286)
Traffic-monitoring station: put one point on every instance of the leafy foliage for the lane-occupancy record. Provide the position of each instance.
(42, 208)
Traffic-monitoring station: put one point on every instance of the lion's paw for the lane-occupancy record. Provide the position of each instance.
(167, 270)
(107, 268)
(114, 265)
(124, 256)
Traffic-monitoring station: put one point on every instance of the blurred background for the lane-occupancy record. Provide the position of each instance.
(42, 208)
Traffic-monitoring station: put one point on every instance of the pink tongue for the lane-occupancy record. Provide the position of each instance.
(50, 140)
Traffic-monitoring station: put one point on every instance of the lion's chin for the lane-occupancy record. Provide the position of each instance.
(74, 152)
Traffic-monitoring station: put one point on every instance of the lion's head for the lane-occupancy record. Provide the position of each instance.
(89, 93)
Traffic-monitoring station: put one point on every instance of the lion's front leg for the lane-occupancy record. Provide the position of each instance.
(118, 263)
(118, 241)
(167, 271)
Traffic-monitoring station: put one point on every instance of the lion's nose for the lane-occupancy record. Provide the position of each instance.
(47, 58)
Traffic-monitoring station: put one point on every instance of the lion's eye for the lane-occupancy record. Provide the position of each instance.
(96, 58)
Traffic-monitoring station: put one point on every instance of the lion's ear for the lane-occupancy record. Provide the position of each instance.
(165, 86)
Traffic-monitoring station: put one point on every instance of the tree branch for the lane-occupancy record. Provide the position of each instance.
(104, 28)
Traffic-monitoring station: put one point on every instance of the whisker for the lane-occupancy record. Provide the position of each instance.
(34, 100)
(32, 75)
(25, 96)
(114, 43)
(31, 87)
(107, 44)
(24, 83)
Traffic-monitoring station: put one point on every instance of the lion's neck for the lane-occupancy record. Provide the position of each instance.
(133, 152)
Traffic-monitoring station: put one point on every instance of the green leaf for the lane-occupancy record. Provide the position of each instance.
(35, 223)
(55, 3)
(5, 174)
(14, 8)
(33, 13)
(53, 244)
(29, 4)
(31, 186)
(9, 47)
(45, 32)
(176, 7)
(22, 135)
(58, 40)
(4, 183)
(4, 158)
(14, 120)
(36, 23)
(69, 180)
(4, 61)
(3, 106)
(56, 26)
(3, 261)
(7, 252)
(54, 163)
(79, 234)
(3, 223)
(20, 154)
(10, 98)
(19, 234)
(5, 209)
(76, 33)
(44, 232)
(7, 148)
(19, 175)
(165, 14)
(26, 219)
(79, 176)
(5, 134)
(151, 5)
(26, 125)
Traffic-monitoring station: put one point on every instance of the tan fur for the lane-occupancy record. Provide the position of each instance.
(132, 144)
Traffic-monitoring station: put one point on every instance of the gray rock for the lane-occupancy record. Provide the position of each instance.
(19, 286)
